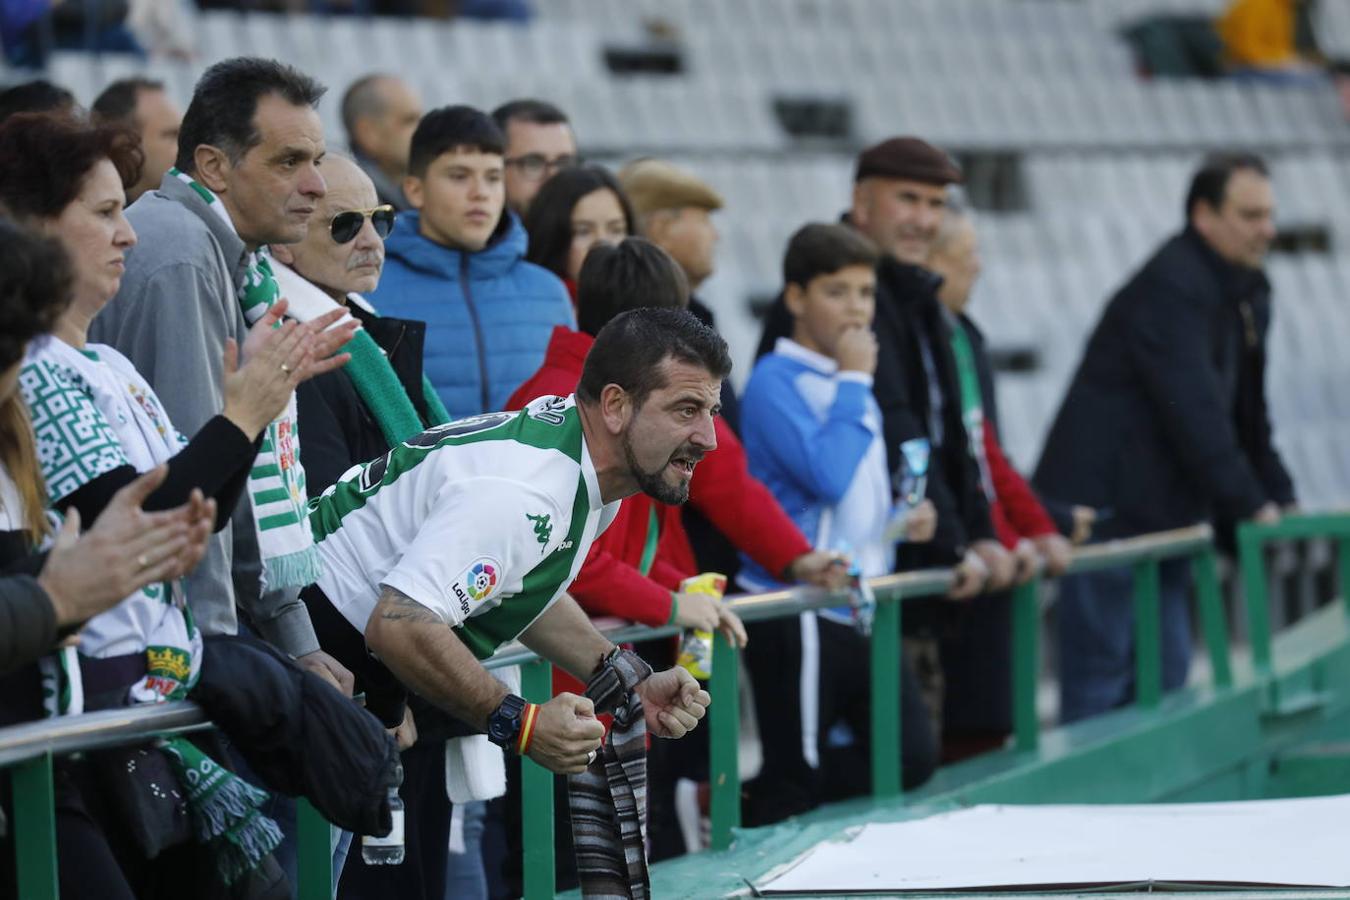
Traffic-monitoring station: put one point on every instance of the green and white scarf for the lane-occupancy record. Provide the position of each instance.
(225, 809)
(972, 401)
(92, 412)
(369, 369)
(276, 484)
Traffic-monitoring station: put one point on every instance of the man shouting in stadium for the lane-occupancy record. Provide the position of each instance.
(466, 536)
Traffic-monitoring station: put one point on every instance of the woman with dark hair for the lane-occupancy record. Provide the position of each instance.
(98, 423)
(42, 595)
(575, 210)
(33, 294)
(46, 596)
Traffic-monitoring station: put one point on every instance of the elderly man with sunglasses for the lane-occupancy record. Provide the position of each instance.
(360, 411)
(355, 413)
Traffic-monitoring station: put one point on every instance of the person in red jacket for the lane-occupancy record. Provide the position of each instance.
(977, 655)
(635, 567)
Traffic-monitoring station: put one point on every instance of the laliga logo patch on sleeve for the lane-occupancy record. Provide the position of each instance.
(478, 583)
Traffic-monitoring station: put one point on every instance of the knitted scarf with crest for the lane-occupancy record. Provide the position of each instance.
(276, 484)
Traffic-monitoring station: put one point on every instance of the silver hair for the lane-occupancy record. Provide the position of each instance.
(958, 213)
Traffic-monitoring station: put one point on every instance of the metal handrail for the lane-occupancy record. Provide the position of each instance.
(1156, 545)
(114, 727)
(27, 750)
(98, 730)
(922, 583)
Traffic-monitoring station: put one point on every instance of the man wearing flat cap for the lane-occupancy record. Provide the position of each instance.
(674, 209)
(730, 511)
(899, 198)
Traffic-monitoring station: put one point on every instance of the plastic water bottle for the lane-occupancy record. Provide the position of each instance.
(909, 483)
(387, 850)
(863, 600)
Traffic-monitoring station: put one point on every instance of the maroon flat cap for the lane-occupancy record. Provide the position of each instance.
(908, 157)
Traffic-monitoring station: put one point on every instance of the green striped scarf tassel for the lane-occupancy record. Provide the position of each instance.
(225, 811)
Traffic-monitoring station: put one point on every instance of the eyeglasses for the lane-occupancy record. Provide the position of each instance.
(347, 224)
(534, 165)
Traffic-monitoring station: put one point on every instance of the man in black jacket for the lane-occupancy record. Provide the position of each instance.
(899, 197)
(340, 260)
(1165, 423)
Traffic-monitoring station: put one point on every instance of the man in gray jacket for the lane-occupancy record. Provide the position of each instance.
(246, 176)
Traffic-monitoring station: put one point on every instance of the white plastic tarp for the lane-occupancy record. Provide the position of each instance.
(1293, 843)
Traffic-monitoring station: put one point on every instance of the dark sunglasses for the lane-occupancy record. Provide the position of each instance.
(347, 225)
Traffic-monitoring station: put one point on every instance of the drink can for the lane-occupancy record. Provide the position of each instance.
(696, 648)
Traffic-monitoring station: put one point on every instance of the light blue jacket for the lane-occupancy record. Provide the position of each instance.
(812, 434)
(489, 314)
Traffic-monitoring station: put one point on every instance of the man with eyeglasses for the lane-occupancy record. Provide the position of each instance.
(539, 143)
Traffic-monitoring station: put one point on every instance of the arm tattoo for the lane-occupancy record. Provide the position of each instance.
(396, 606)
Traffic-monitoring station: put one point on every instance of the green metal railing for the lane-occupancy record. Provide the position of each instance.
(1144, 553)
(1252, 539)
(28, 750)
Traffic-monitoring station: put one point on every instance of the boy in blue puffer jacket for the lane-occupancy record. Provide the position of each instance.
(458, 264)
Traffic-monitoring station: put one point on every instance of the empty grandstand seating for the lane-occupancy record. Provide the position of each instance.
(1104, 155)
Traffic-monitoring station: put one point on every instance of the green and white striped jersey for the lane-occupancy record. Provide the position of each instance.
(485, 520)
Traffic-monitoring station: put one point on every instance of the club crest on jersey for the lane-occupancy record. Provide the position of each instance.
(478, 583)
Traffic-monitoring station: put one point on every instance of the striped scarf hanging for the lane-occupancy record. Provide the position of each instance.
(609, 800)
(276, 483)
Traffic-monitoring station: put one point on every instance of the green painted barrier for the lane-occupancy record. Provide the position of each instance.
(536, 795)
(1213, 622)
(885, 711)
(314, 853)
(27, 750)
(725, 721)
(1026, 664)
(35, 829)
(1147, 634)
(1251, 540)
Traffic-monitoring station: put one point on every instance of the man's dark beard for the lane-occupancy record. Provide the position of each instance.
(651, 483)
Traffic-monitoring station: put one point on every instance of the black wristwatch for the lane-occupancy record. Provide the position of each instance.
(503, 726)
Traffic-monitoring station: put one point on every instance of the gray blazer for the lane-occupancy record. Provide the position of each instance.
(177, 305)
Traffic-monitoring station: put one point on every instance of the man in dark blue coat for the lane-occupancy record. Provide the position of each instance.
(1165, 423)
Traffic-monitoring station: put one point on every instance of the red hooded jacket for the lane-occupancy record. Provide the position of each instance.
(1016, 511)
